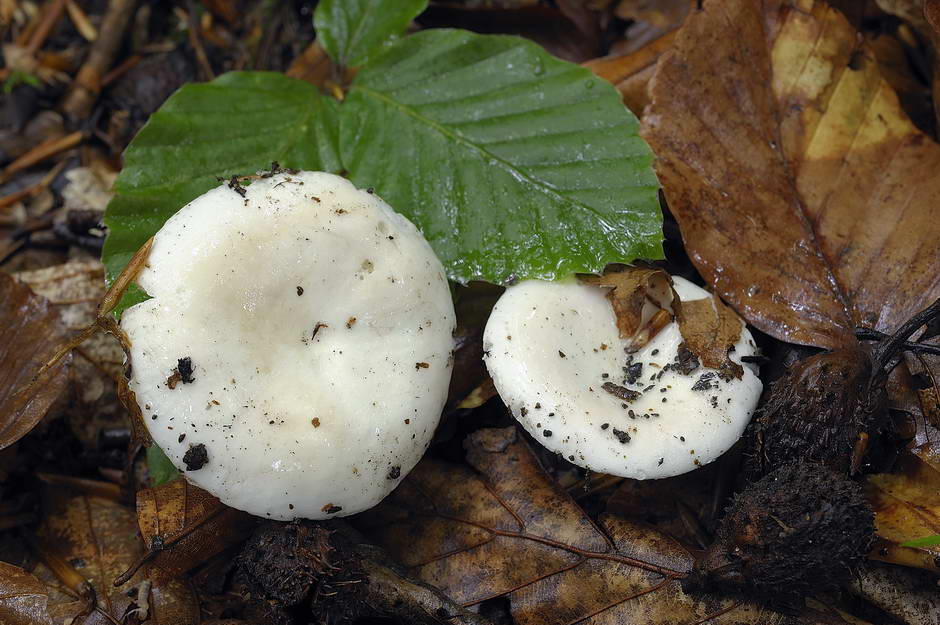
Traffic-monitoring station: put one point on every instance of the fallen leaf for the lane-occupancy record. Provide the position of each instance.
(510, 530)
(642, 299)
(96, 539)
(630, 73)
(804, 195)
(24, 600)
(907, 507)
(710, 330)
(75, 288)
(30, 332)
(184, 526)
(909, 596)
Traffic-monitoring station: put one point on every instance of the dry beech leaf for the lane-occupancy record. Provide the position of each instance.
(510, 530)
(30, 332)
(184, 526)
(75, 288)
(97, 540)
(24, 600)
(907, 507)
(804, 195)
(642, 298)
(710, 329)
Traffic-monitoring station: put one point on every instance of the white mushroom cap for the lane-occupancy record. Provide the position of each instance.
(550, 346)
(319, 326)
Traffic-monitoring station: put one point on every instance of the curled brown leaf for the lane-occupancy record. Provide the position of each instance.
(642, 298)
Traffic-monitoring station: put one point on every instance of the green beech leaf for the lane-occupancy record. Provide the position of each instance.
(351, 31)
(160, 467)
(237, 124)
(513, 163)
(926, 541)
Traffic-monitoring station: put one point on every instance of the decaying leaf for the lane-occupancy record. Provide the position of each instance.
(184, 526)
(642, 298)
(907, 507)
(24, 600)
(30, 332)
(710, 330)
(804, 195)
(511, 531)
(75, 288)
(907, 595)
(94, 540)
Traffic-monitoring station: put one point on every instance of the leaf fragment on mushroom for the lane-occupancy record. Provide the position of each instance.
(642, 298)
(710, 330)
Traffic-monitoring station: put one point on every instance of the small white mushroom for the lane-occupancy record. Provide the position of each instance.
(559, 363)
(294, 357)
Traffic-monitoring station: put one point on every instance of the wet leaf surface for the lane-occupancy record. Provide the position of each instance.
(710, 330)
(24, 600)
(509, 530)
(805, 196)
(31, 330)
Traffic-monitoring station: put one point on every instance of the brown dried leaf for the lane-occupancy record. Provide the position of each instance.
(805, 196)
(710, 329)
(630, 73)
(512, 531)
(75, 288)
(907, 507)
(30, 332)
(97, 539)
(184, 526)
(24, 600)
(642, 298)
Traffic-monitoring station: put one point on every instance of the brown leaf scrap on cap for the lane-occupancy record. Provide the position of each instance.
(710, 329)
(642, 298)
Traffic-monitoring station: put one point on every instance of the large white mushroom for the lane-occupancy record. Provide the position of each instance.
(604, 402)
(294, 357)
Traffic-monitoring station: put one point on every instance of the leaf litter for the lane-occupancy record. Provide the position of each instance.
(804, 196)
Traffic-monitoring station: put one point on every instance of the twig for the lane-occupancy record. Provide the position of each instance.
(82, 24)
(49, 19)
(121, 69)
(34, 189)
(84, 90)
(869, 334)
(196, 42)
(41, 152)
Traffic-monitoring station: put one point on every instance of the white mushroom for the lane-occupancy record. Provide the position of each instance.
(294, 357)
(558, 362)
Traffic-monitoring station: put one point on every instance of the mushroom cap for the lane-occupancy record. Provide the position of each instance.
(551, 346)
(318, 324)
